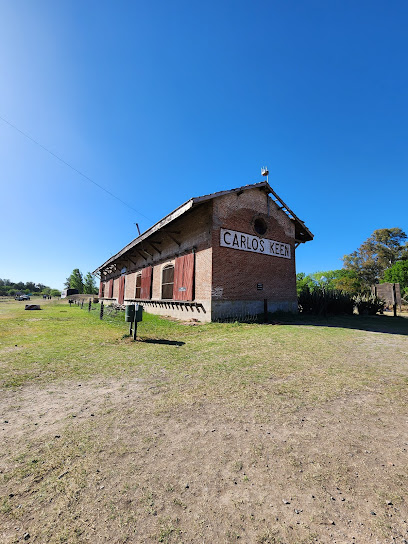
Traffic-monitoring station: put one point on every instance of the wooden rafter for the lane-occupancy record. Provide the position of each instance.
(150, 255)
(154, 247)
(172, 237)
(133, 262)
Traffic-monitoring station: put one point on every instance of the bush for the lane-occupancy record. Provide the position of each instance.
(325, 301)
(368, 304)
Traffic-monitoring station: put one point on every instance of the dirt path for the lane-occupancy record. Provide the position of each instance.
(112, 461)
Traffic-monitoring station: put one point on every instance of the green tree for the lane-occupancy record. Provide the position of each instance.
(40, 286)
(348, 282)
(398, 273)
(55, 293)
(89, 284)
(339, 280)
(378, 253)
(304, 282)
(75, 281)
(7, 286)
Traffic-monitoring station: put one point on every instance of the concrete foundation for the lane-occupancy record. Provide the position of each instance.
(222, 309)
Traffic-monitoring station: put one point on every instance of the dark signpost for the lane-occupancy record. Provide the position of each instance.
(133, 314)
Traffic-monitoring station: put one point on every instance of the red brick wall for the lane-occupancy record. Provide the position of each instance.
(191, 230)
(223, 275)
(236, 273)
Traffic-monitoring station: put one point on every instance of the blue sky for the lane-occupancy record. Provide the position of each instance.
(160, 101)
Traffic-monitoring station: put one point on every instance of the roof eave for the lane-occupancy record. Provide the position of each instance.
(157, 226)
(302, 233)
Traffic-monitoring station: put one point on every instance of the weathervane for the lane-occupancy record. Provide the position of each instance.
(265, 172)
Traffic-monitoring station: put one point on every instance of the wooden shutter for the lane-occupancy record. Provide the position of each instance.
(100, 289)
(110, 290)
(184, 277)
(121, 296)
(146, 283)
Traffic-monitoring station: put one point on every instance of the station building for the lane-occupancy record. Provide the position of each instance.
(227, 254)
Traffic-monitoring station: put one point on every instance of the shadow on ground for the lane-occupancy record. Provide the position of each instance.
(373, 323)
(161, 341)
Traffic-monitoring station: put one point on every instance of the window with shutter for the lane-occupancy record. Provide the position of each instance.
(138, 285)
(167, 282)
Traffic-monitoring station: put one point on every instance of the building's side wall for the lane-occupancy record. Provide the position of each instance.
(116, 287)
(130, 285)
(202, 309)
(237, 273)
(226, 279)
(157, 277)
(191, 232)
(203, 275)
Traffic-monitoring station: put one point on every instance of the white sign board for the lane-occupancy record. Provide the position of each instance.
(246, 242)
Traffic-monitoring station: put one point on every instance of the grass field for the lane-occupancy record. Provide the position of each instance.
(292, 432)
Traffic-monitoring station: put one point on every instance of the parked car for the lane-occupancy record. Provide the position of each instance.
(22, 297)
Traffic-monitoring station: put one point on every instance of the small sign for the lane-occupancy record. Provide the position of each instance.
(259, 286)
(123, 271)
(182, 289)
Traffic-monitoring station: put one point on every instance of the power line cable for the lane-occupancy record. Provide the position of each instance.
(72, 167)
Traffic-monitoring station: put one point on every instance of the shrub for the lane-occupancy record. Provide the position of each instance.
(325, 301)
(368, 304)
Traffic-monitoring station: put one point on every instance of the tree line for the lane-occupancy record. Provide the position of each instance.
(84, 284)
(11, 289)
(383, 257)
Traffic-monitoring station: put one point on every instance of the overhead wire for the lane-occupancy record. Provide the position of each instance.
(72, 167)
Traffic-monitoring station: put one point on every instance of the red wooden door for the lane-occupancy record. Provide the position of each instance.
(121, 296)
(184, 277)
(146, 283)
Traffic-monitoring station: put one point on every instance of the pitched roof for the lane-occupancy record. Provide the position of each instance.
(302, 233)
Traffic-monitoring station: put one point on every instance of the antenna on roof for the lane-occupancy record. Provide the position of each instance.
(265, 172)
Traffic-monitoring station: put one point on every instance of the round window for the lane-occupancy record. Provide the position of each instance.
(260, 226)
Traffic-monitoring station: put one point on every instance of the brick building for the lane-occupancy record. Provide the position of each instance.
(230, 253)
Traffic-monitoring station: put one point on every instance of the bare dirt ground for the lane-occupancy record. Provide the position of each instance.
(112, 461)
